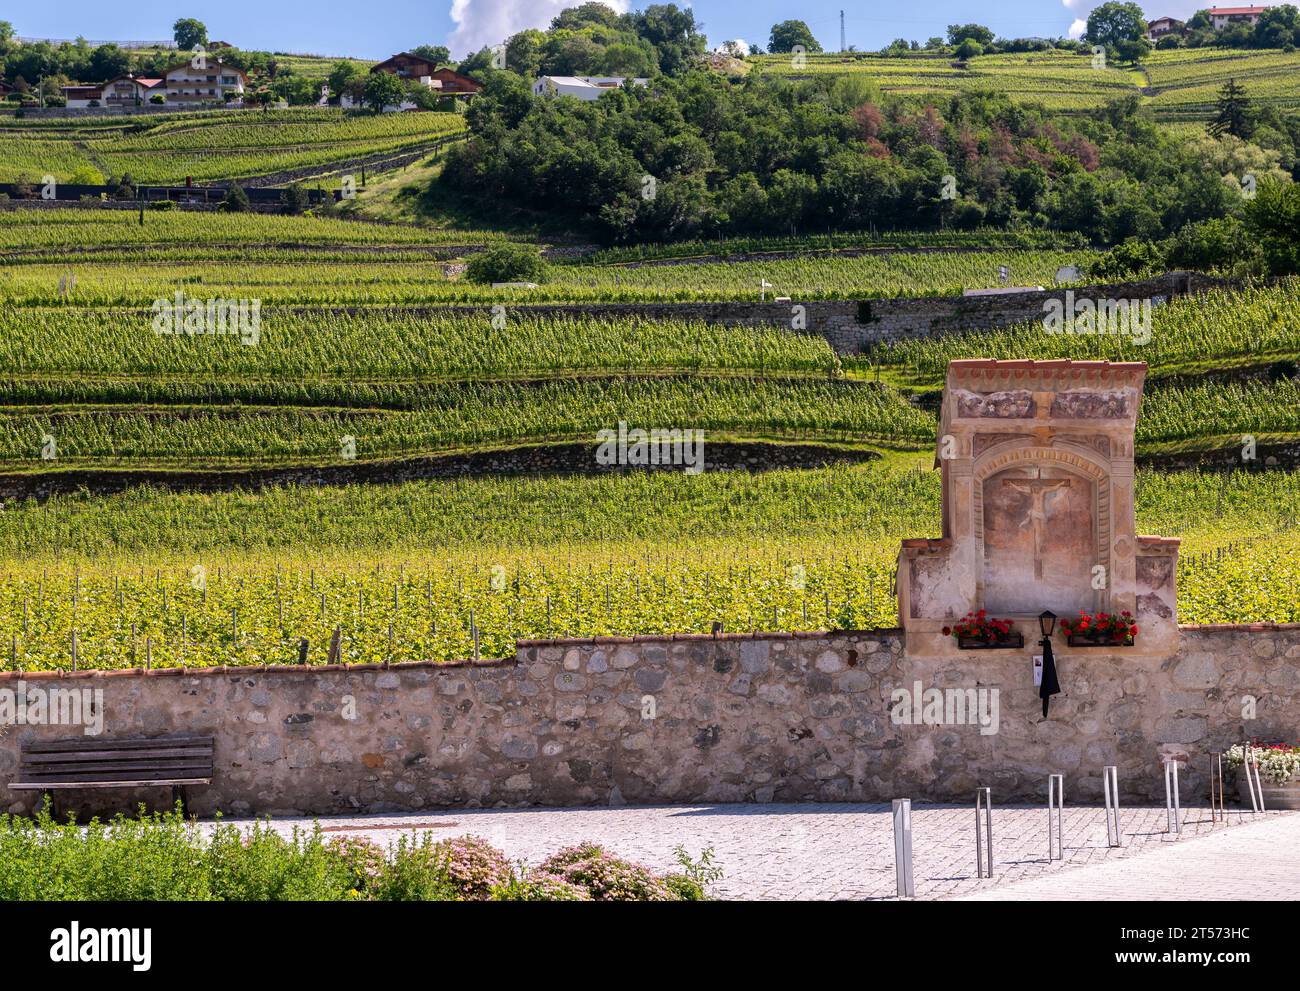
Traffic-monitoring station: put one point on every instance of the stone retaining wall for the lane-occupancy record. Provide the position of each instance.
(784, 717)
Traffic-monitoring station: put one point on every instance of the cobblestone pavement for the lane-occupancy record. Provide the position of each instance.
(846, 851)
(1259, 862)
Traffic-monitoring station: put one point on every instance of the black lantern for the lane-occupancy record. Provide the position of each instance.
(1047, 622)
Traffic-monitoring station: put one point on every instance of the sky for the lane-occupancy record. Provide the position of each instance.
(335, 27)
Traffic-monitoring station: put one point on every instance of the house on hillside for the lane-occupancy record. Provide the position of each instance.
(415, 68)
(81, 97)
(129, 91)
(1162, 26)
(582, 87)
(216, 82)
(1223, 17)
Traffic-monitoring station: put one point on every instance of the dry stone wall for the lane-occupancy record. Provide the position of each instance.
(768, 717)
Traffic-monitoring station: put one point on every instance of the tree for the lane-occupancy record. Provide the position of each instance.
(188, 32)
(1114, 22)
(236, 200)
(383, 89)
(1234, 114)
(1135, 50)
(787, 34)
(342, 74)
(295, 199)
(507, 263)
(1273, 217)
(437, 54)
(108, 62)
(969, 48)
(957, 33)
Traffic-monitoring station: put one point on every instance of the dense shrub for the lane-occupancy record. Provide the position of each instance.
(163, 857)
(507, 263)
(236, 200)
(1212, 244)
(604, 876)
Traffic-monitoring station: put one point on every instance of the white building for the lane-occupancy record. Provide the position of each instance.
(1222, 17)
(215, 82)
(582, 87)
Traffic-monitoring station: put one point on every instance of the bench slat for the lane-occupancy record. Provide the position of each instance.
(126, 774)
(85, 743)
(118, 770)
(74, 756)
(59, 785)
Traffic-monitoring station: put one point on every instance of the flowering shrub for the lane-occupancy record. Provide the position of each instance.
(539, 886)
(606, 877)
(164, 856)
(1278, 762)
(1104, 625)
(978, 626)
(472, 865)
(362, 858)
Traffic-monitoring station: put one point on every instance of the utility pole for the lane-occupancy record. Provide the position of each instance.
(843, 47)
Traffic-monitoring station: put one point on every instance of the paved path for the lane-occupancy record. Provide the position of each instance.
(1260, 861)
(844, 851)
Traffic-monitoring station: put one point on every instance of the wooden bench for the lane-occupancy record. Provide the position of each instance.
(47, 766)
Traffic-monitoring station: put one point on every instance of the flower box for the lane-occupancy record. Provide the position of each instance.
(1010, 642)
(1087, 640)
(1279, 774)
(979, 631)
(1102, 630)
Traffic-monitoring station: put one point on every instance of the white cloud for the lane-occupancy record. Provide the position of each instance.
(482, 23)
(1077, 28)
(739, 47)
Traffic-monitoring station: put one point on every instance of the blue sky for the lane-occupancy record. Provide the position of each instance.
(332, 27)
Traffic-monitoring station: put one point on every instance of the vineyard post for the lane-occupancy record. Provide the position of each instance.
(74, 650)
(473, 629)
(335, 639)
(148, 653)
(303, 647)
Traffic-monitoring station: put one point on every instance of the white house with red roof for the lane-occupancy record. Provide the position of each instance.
(1222, 17)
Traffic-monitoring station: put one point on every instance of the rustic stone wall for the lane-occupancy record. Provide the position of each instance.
(785, 717)
(526, 459)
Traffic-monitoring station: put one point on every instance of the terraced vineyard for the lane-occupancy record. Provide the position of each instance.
(1179, 85)
(223, 145)
(227, 579)
(355, 345)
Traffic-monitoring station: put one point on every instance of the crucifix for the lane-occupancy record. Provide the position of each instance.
(1038, 488)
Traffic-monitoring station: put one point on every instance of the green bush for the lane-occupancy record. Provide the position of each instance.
(1212, 244)
(164, 857)
(507, 263)
(1132, 258)
(162, 205)
(236, 200)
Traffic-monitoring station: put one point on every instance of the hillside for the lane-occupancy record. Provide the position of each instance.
(214, 146)
(1177, 85)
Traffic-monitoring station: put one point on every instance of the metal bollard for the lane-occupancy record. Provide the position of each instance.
(1110, 784)
(1173, 813)
(1216, 788)
(1055, 791)
(903, 847)
(984, 801)
(1250, 764)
